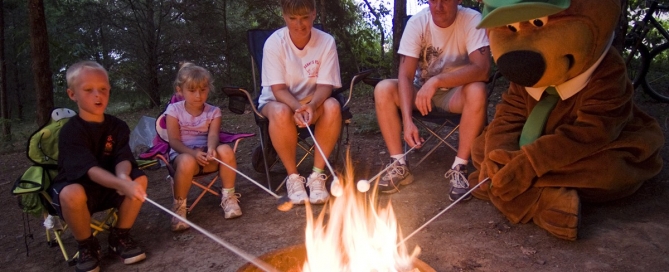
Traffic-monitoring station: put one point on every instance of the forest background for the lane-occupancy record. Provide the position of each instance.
(141, 42)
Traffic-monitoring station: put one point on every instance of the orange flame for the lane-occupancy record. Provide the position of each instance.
(357, 237)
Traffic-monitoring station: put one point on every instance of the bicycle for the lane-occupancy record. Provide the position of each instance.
(649, 68)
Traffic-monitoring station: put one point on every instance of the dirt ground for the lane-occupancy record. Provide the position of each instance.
(631, 234)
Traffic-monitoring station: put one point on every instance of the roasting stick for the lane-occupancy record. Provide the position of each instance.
(252, 259)
(442, 212)
(336, 188)
(284, 203)
(363, 184)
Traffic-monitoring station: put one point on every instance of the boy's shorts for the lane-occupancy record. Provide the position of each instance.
(99, 198)
(442, 97)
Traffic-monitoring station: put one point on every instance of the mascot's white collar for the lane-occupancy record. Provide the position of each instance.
(571, 87)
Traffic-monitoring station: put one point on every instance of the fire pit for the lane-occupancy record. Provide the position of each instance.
(291, 259)
(357, 236)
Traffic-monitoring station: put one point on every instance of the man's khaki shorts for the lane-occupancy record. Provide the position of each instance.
(441, 98)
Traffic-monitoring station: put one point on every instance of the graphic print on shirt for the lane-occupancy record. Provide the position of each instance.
(195, 123)
(429, 61)
(312, 68)
(109, 146)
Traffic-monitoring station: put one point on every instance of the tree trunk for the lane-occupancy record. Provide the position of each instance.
(153, 86)
(399, 12)
(39, 44)
(377, 22)
(4, 109)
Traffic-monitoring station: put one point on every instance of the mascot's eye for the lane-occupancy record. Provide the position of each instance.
(539, 22)
(513, 27)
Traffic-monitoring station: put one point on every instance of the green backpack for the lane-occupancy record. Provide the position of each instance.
(42, 150)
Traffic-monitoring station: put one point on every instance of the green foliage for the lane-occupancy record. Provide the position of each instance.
(141, 43)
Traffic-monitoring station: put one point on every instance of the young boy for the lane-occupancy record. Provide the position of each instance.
(97, 170)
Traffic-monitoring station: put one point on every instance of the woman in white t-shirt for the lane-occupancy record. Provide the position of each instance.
(300, 68)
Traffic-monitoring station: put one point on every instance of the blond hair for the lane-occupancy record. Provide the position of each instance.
(297, 7)
(190, 75)
(73, 72)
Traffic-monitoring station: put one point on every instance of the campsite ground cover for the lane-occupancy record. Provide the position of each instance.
(631, 234)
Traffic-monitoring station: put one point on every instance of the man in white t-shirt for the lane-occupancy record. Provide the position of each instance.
(444, 62)
(300, 68)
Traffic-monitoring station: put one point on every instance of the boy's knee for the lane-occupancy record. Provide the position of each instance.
(143, 181)
(73, 194)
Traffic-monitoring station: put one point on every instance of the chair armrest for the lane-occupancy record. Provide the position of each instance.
(356, 78)
(372, 81)
(240, 95)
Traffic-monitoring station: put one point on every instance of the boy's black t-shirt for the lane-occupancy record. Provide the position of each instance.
(83, 144)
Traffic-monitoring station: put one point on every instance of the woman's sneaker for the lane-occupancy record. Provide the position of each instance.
(89, 256)
(317, 192)
(179, 207)
(295, 187)
(122, 244)
(397, 174)
(230, 204)
(457, 177)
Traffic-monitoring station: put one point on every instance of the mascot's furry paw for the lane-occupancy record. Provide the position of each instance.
(514, 177)
(559, 212)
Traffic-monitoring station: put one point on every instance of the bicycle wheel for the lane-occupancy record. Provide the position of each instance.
(637, 66)
(656, 81)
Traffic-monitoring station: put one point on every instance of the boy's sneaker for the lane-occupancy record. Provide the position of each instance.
(122, 244)
(397, 174)
(179, 207)
(295, 187)
(317, 192)
(459, 183)
(230, 204)
(89, 256)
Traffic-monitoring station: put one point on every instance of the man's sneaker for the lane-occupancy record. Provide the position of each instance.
(395, 175)
(230, 204)
(179, 207)
(89, 256)
(459, 183)
(317, 192)
(295, 186)
(122, 244)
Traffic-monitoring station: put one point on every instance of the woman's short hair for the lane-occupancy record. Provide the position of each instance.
(297, 7)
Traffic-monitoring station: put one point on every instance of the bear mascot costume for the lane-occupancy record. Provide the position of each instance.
(567, 129)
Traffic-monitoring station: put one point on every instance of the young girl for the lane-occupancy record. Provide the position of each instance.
(193, 127)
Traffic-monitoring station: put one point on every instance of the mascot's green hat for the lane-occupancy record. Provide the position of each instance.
(503, 12)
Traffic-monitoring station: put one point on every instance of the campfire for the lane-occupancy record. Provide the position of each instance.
(354, 236)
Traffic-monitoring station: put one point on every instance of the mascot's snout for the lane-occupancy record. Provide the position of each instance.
(524, 67)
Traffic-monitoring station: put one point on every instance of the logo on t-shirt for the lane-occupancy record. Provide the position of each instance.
(312, 68)
(109, 146)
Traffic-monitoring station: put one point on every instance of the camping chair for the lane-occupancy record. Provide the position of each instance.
(158, 153)
(436, 121)
(264, 156)
(31, 188)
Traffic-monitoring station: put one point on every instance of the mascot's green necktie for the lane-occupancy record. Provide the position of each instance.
(536, 122)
